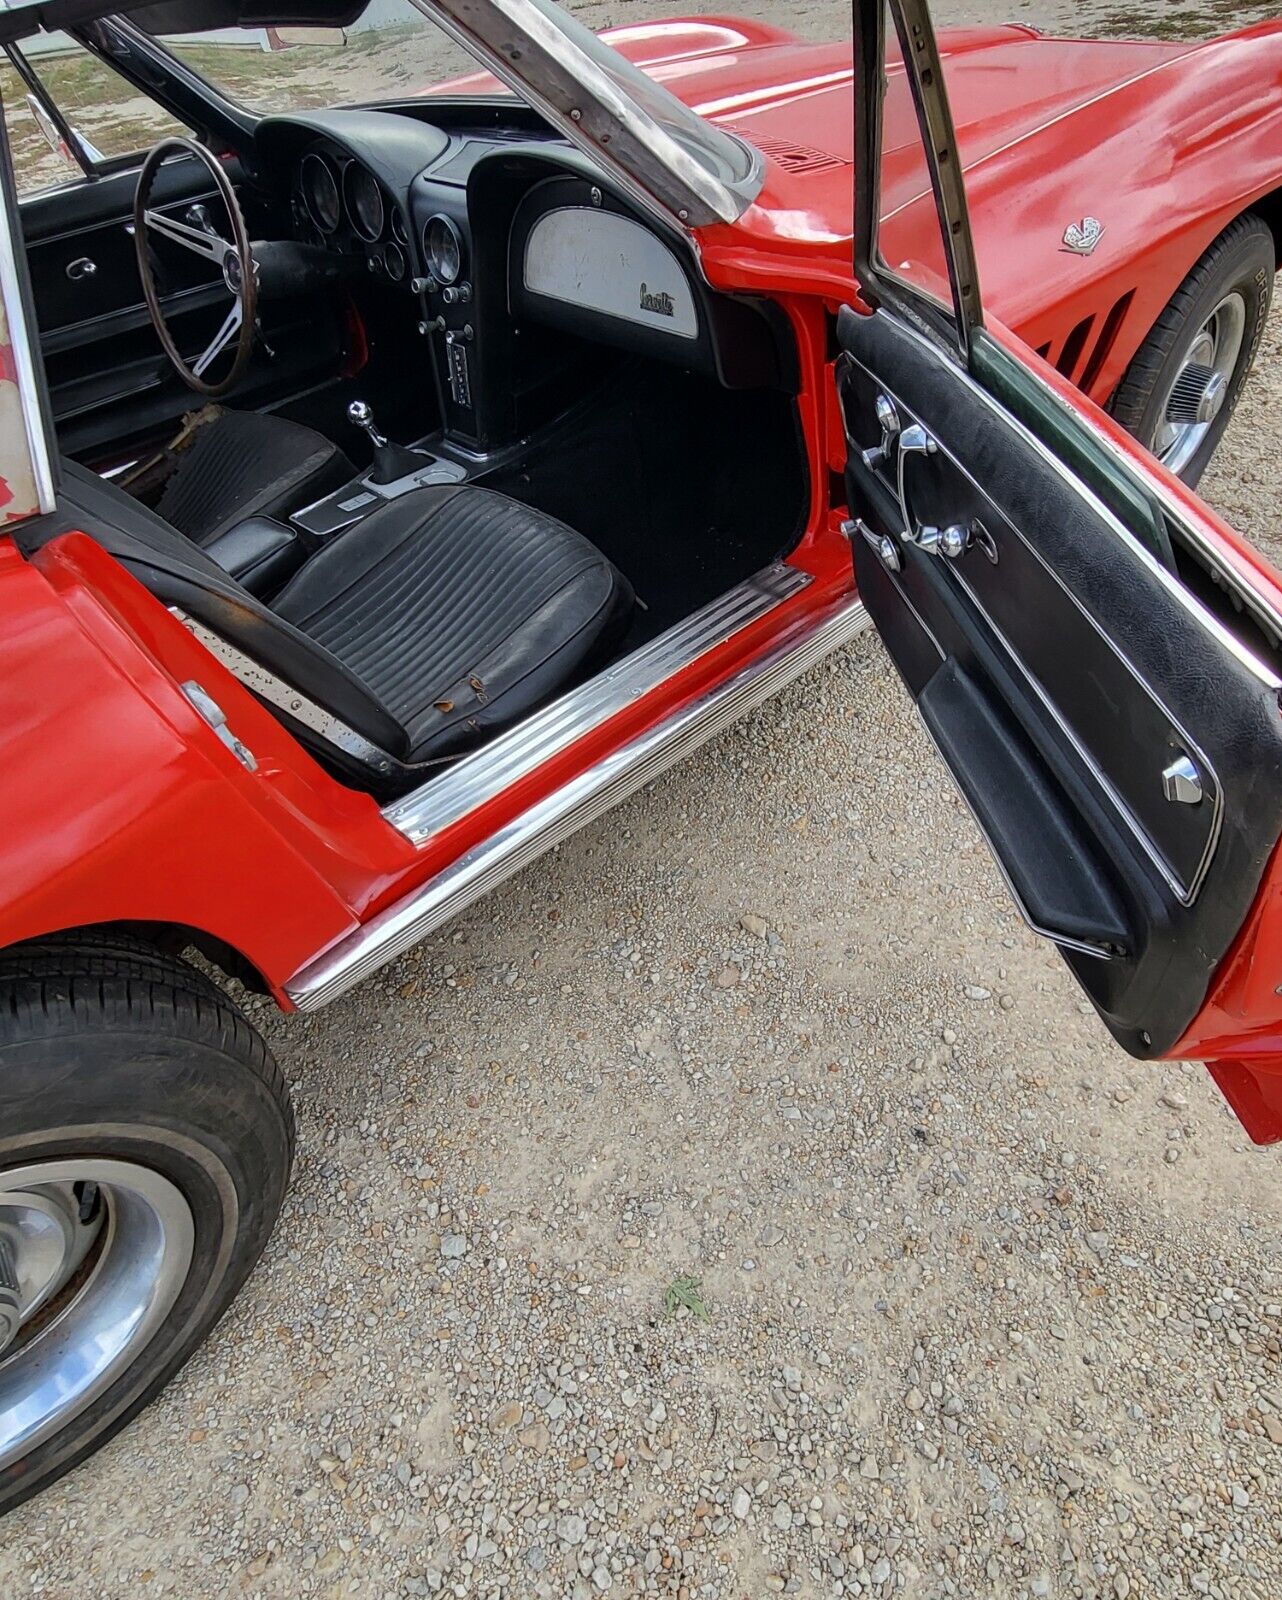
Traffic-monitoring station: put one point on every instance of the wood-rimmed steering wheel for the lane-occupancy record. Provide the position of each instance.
(234, 257)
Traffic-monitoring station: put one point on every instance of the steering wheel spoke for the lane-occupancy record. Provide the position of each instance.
(220, 341)
(233, 257)
(210, 245)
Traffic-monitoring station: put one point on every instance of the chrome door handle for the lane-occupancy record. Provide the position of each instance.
(82, 267)
(888, 422)
(951, 542)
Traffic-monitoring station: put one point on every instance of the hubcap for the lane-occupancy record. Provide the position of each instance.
(93, 1254)
(1200, 388)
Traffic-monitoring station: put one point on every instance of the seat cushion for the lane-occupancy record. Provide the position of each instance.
(248, 464)
(459, 610)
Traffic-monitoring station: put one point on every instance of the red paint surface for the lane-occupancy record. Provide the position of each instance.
(137, 812)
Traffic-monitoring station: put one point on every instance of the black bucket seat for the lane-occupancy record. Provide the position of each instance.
(443, 617)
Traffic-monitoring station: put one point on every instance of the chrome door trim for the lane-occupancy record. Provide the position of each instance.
(483, 776)
(580, 801)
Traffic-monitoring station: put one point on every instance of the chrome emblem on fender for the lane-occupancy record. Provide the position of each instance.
(1082, 237)
(661, 303)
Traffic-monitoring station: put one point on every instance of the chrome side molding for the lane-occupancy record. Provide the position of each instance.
(580, 801)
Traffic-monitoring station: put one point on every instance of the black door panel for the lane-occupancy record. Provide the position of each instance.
(110, 385)
(1063, 672)
(93, 222)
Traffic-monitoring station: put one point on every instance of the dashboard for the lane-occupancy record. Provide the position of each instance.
(487, 231)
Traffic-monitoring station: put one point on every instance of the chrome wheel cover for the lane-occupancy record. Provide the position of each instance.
(1198, 392)
(93, 1255)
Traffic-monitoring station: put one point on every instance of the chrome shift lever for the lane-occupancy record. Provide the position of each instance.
(360, 414)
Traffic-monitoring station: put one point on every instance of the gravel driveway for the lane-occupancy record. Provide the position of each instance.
(991, 1309)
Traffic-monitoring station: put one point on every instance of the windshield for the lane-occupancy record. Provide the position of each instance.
(390, 52)
(595, 95)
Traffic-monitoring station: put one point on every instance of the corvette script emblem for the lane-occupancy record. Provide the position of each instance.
(1082, 237)
(658, 301)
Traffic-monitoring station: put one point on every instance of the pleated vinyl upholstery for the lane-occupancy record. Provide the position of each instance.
(458, 609)
(247, 464)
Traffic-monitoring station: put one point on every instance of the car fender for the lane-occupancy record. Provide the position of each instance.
(121, 803)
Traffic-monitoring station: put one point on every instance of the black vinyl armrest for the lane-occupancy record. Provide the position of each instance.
(260, 553)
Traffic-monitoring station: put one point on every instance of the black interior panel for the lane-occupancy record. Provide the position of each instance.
(1060, 681)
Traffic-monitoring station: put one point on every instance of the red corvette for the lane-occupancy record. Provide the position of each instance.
(572, 411)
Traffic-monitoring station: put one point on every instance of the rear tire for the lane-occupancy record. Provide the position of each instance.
(1180, 391)
(145, 1146)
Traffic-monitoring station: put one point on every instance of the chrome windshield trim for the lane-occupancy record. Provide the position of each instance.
(666, 155)
(481, 777)
(580, 801)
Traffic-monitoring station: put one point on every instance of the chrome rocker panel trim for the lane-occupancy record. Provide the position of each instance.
(483, 776)
(569, 808)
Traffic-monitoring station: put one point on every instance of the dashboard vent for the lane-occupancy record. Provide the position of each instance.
(790, 155)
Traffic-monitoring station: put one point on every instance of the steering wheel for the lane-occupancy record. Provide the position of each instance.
(234, 258)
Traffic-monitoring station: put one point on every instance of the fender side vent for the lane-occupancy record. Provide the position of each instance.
(790, 155)
(1107, 339)
(1074, 345)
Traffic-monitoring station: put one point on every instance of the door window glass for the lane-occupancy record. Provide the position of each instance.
(112, 118)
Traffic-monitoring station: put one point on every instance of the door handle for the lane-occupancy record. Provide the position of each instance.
(950, 542)
(81, 268)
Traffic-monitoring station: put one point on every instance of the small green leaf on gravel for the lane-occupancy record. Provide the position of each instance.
(688, 1292)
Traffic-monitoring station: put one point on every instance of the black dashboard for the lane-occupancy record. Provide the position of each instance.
(509, 255)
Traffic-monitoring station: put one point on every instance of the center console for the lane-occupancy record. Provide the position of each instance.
(396, 470)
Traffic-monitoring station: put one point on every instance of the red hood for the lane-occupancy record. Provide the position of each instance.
(1049, 129)
(1004, 84)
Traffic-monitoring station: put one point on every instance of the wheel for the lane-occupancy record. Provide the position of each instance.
(145, 1145)
(1180, 390)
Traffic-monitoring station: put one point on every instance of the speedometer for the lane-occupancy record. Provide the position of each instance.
(320, 191)
(443, 249)
(364, 201)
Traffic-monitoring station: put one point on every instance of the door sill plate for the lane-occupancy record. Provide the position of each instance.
(578, 802)
(482, 777)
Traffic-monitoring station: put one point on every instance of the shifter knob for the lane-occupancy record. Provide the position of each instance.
(362, 417)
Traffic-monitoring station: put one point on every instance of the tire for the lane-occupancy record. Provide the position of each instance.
(1240, 263)
(129, 1068)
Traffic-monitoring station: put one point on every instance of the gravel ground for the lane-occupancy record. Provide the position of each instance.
(991, 1309)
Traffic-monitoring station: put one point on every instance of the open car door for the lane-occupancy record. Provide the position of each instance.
(1095, 657)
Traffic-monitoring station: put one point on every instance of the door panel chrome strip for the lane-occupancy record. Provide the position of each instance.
(483, 776)
(576, 803)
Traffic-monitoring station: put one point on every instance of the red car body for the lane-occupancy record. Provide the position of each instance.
(136, 813)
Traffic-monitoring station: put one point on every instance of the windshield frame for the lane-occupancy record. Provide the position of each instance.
(664, 153)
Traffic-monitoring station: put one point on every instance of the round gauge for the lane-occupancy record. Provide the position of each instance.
(364, 201)
(443, 249)
(394, 262)
(399, 231)
(320, 192)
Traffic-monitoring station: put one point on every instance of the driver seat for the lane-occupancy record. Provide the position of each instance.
(445, 616)
(246, 464)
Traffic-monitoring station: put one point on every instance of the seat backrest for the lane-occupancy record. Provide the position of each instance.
(180, 574)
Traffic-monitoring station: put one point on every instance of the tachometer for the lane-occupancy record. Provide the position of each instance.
(443, 249)
(319, 188)
(364, 201)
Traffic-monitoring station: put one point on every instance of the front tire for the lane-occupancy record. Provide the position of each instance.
(1180, 390)
(145, 1146)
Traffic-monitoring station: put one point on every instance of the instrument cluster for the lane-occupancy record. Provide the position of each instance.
(346, 208)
